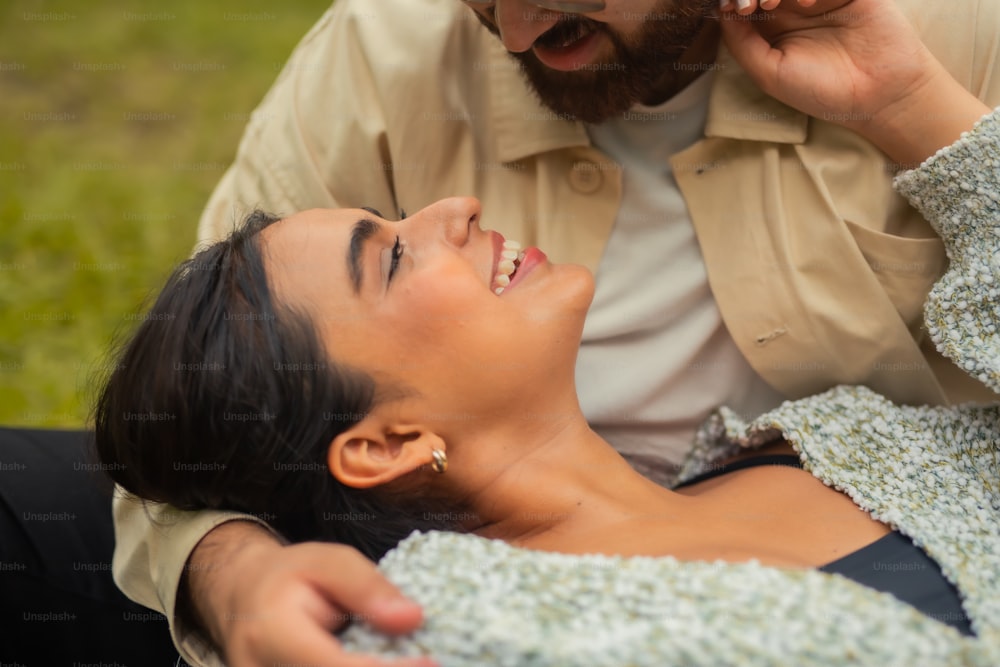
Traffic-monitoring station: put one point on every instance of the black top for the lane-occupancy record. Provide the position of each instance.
(892, 564)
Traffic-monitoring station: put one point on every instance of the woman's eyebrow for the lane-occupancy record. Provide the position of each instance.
(373, 211)
(363, 230)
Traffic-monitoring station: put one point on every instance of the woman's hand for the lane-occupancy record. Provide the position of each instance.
(856, 63)
(845, 59)
(266, 604)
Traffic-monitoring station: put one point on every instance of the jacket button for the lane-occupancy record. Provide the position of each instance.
(585, 177)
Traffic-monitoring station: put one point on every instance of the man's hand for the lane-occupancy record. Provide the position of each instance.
(265, 604)
(856, 63)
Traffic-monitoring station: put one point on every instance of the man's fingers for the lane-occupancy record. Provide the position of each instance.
(395, 616)
(353, 583)
(313, 645)
(349, 660)
(312, 591)
(323, 650)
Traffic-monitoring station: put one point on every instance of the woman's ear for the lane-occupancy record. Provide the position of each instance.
(372, 452)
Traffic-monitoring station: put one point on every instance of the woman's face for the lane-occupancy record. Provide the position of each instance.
(418, 303)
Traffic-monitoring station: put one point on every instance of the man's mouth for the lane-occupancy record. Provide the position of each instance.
(564, 33)
(568, 45)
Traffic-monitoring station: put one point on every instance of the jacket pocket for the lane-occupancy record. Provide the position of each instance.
(906, 268)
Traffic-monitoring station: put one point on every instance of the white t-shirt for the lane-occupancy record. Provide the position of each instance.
(656, 357)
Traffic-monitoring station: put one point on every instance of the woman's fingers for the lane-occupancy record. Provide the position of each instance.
(746, 7)
(751, 50)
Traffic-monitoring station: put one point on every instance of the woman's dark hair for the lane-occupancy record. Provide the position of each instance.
(225, 399)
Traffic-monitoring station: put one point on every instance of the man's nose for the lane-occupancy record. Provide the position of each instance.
(520, 23)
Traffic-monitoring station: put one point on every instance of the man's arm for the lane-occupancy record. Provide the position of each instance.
(305, 591)
(152, 545)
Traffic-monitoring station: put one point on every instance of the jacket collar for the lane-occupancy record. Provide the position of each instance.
(737, 109)
(522, 127)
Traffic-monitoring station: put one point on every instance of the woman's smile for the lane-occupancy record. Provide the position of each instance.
(507, 255)
(511, 264)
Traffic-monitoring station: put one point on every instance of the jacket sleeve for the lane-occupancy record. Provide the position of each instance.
(958, 191)
(152, 545)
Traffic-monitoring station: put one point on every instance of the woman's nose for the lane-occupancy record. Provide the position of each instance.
(453, 218)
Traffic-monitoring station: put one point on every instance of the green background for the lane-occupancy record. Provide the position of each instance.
(116, 121)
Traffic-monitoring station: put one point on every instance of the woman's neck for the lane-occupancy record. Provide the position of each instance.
(574, 493)
(570, 484)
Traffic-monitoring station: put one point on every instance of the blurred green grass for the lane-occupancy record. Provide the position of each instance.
(116, 121)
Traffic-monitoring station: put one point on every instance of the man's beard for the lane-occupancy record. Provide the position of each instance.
(637, 67)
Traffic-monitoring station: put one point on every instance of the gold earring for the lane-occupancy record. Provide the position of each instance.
(440, 463)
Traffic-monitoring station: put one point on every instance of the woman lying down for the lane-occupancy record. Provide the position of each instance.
(378, 381)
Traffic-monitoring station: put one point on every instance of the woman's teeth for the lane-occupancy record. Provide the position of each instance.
(510, 259)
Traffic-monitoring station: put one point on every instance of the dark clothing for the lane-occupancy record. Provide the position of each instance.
(892, 564)
(58, 602)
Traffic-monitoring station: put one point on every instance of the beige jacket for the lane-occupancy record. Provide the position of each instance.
(819, 269)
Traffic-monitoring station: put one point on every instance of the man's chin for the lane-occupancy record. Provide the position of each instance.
(591, 95)
(608, 88)
(633, 69)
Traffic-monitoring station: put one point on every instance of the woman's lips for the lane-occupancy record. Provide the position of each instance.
(524, 260)
(533, 258)
(574, 56)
